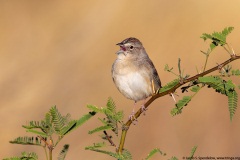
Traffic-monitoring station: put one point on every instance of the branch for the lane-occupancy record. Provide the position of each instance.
(184, 81)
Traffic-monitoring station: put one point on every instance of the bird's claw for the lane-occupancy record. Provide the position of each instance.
(133, 118)
(143, 109)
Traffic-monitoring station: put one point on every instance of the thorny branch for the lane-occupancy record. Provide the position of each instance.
(172, 90)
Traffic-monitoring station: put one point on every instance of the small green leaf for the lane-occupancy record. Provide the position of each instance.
(111, 105)
(24, 156)
(206, 36)
(217, 38)
(174, 158)
(153, 152)
(95, 108)
(26, 141)
(224, 87)
(63, 152)
(126, 155)
(57, 119)
(217, 83)
(180, 104)
(212, 46)
(169, 85)
(183, 102)
(236, 72)
(96, 145)
(37, 132)
(232, 103)
(192, 152)
(167, 68)
(83, 119)
(69, 127)
(99, 129)
(227, 30)
(195, 88)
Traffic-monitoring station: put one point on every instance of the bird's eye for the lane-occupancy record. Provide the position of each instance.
(131, 47)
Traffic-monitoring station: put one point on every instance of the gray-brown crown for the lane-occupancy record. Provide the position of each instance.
(130, 40)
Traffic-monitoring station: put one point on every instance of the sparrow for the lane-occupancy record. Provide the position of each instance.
(133, 72)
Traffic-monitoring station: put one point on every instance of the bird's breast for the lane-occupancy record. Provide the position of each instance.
(133, 82)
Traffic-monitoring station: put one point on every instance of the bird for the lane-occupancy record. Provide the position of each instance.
(134, 73)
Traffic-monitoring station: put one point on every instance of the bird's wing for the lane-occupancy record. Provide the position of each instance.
(156, 83)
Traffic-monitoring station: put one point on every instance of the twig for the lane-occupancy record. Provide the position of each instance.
(184, 81)
(109, 139)
(49, 145)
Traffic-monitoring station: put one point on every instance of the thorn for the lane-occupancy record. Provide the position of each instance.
(233, 52)
(220, 67)
(173, 97)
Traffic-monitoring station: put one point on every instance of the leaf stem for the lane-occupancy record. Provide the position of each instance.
(227, 49)
(205, 65)
(45, 150)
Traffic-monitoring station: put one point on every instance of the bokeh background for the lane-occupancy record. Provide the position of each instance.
(61, 52)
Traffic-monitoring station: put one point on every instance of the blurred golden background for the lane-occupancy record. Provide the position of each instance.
(61, 52)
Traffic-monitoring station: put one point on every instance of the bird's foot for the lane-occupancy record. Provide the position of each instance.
(133, 118)
(143, 109)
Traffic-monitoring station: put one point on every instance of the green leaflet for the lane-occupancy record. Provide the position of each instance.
(192, 152)
(218, 38)
(37, 132)
(101, 128)
(68, 127)
(195, 88)
(57, 119)
(113, 117)
(24, 156)
(82, 120)
(111, 105)
(191, 157)
(153, 152)
(126, 155)
(224, 87)
(180, 104)
(232, 103)
(167, 68)
(169, 85)
(63, 152)
(217, 83)
(236, 72)
(96, 146)
(27, 141)
(95, 109)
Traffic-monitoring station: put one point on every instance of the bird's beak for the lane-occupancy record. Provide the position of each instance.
(119, 44)
(122, 49)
